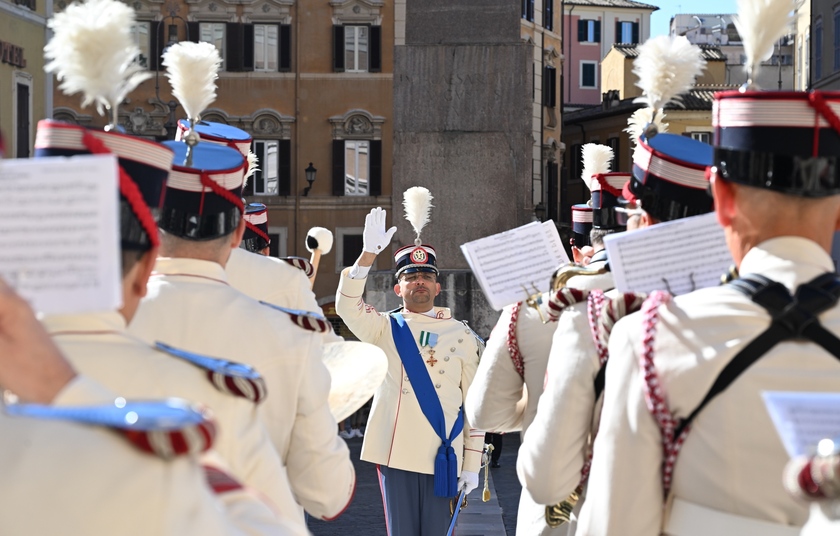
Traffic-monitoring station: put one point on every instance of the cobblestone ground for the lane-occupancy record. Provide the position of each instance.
(366, 517)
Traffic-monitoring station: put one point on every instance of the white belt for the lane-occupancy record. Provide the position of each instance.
(690, 519)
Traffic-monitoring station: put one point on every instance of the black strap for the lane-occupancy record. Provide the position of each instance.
(600, 379)
(794, 317)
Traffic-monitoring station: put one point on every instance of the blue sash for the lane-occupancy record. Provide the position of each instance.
(446, 463)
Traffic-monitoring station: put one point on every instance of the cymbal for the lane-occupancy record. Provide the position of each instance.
(357, 370)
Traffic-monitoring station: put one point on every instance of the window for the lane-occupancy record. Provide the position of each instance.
(705, 137)
(528, 10)
(548, 14)
(22, 118)
(351, 247)
(626, 32)
(348, 246)
(613, 143)
(356, 49)
(549, 93)
(214, 33)
(356, 167)
(589, 31)
(265, 47)
(588, 79)
(140, 32)
(279, 236)
(818, 44)
(274, 174)
(836, 40)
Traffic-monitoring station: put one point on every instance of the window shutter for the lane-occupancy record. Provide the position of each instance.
(548, 14)
(375, 177)
(545, 86)
(156, 49)
(635, 32)
(193, 31)
(338, 167)
(234, 47)
(285, 63)
(284, 168)
(247, 47)
(581, 31)
(618, 38)
(338, 51)
(597, 38)
(375, 49)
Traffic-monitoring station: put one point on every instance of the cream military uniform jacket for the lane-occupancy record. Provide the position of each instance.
(190, 305)
(499, 398)
(398, 434)
(71, 479)
(98, 345)
(554, 451)
(732, 460)
(274, 281)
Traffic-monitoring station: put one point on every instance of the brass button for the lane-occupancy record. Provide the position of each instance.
(446, 358)
(405, 391)
(441, 371)
(437, 386)
(467, 331)
(406, 378)
(452, 349)
(460, 340)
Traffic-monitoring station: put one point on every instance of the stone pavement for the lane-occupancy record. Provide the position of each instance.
(496, 517)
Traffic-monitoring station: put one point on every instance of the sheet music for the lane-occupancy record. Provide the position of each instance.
(802, 419)
(678, 256)
(59, 232)
(507, 263)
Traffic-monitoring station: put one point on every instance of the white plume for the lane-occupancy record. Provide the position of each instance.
(596, 159)
(253, 167)
(192, 69)
(319, 238)
(640, 119)
(417, 202)
(93, 52)
(761, 23)
(666, 66)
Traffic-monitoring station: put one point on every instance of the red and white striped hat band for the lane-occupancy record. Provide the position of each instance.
(241, 145)
(774, 109)
(672, 170)
(143, 170)
(581, 215)
(610, 182)
(257, 218)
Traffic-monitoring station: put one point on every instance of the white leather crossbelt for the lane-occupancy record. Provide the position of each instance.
(690, 519)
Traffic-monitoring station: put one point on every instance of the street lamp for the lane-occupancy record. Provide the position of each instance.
(310, 178)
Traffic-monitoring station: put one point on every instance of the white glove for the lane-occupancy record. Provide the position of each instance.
(468, 481)
(375, 237)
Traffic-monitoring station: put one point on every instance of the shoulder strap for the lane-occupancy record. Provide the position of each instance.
(227, 376)
(794, 317)
(166, 428)
(308, 320)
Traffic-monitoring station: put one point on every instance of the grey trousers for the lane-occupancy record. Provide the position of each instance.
(411, 507)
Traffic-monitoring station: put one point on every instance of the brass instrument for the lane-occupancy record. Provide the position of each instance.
(557, 514)
(558, 281)
(568, 271)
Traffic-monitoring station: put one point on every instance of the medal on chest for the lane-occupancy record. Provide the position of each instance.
(428, 341)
